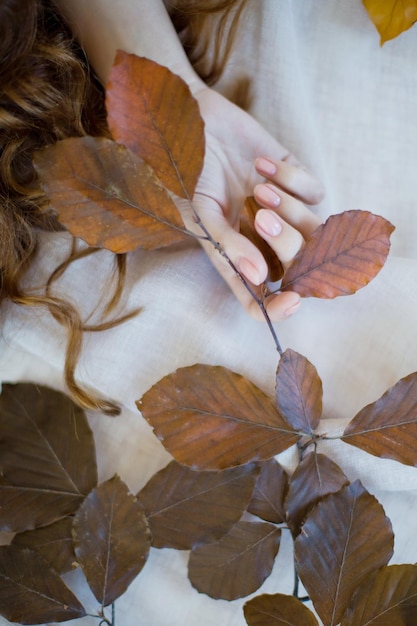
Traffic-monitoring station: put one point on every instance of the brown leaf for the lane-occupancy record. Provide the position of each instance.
(299, 391)
(388, 427)
(268, 496)
(391, 17)
(53, 542)
(278, 610)
(345, 539)
(31, 592)
(247, 228)
(342, 255)
(107, 196)
(184, 507)
(238, 563)
(151, 111)
(315, 476)
(111, 539)
(211, 418)
(389, 598)
(47, 456)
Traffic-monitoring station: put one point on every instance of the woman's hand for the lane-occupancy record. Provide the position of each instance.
(235, 167)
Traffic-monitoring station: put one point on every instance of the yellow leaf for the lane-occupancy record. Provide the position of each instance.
(391, 17)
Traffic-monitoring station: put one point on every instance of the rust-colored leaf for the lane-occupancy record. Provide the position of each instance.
(211, 418)
(152, 111)
(388, 427)
(53, 542)
(47, 456)
(345, 539)
(111, 539)
(342, 255)
(185, 508)
(278, 610)
(388, 599)
(299, 391)
(391, 17)
(31, 592)
(238, 563)
(268, 496)
(315, 476)
(107, 196)
(247, 228)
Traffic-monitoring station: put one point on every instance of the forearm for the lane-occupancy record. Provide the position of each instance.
(139, 26)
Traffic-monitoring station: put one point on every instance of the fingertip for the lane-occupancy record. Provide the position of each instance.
(282, 306)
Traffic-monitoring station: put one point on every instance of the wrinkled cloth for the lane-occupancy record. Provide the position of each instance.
(346, 107)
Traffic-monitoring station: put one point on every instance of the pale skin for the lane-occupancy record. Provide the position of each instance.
(241, 159)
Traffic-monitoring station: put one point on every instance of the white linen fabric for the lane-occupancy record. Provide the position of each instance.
(321, 83)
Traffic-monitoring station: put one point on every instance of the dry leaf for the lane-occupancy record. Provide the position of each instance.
(238, 563)
(107, 196)
(278, 610)
(345, 539)
(185, 508)
(342, 255)
(111, 539)
(299, 392)
(388, 427)
(211, 418)
(391, 17)
(151, 111)
(268, 496)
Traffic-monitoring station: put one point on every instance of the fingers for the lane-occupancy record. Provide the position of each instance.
(293, 178)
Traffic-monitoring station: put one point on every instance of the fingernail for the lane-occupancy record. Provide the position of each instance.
(268, 222)
(266, 195)
(265, 167)
(248, 270)
(293, 308)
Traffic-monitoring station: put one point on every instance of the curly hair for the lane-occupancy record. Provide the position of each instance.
(48, 92)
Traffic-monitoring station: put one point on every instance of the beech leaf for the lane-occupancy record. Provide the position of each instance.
(47, 456)
(315, 476)
(278, 610)
(31, 592)
(391, 17)
(270, 489)
(238, 563)
(107, 196)
(184, 507)
(345, 539)
(299, 391)
(152, 112)
(111, 539)
(342, 255)
(211, 418)
(247, 228)
(388, 427)
(54, 542)
(389, 598)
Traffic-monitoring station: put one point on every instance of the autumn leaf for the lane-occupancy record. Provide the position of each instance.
(211, 418)
(315, 476)
(31, 592)
(299, 391)
(268, 496)
(111, 539)
(184, 507)
(388, 598)
(247, 228)
(152, 112)
(47, 456)
(391, 17)
(342, 255)
(388, 427)
(53, 542)
(345, 539)
(107, 196)
(238, 563)
(278, 610)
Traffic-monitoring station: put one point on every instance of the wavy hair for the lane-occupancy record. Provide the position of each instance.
(48, 92)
